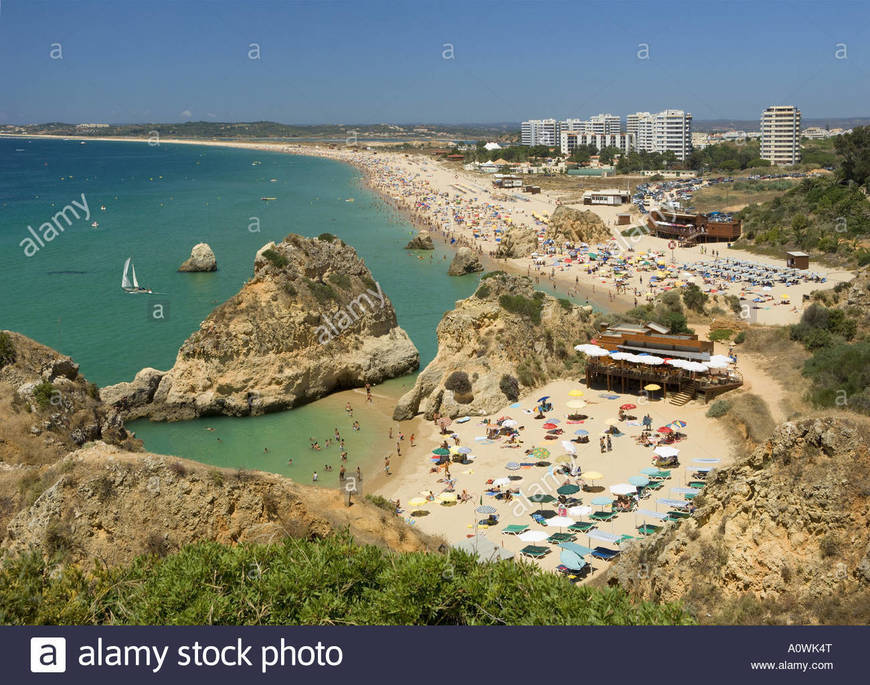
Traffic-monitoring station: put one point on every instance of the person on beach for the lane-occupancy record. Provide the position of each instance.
(358, 474)
(348, 409)
(314, 478)
(609, 444)
(387, 466)
(398, 448)
(602, 444)
(368, 392)
(341, 472)
(390, 433)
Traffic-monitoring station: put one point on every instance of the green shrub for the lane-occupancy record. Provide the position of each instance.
(694, 297)
(718, 408)
(43, 394)
(524, 306)
(458, 382)
(382, 503)
(327, 237)
(840, 375)
(276, 258)
(492, 274)
(566, 304)
(510, 387)
(7, 350)
(740, 337)
(369, 282)
(720, 334)
(310, 582)
(482, 292)
(322, 292)
(341, 280)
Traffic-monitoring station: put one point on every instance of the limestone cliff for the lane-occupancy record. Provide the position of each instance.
(464, 262)
(421, 241)
(517, 242)
(104, 504)
(576, 226)
(47, 408)
(494, 346)
(781, 536)
(312, 320)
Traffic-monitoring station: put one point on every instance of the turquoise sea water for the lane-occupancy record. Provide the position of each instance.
(160, 201)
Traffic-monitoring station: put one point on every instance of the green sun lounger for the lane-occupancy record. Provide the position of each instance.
(581, 526)
(515, 529)
(678, 515)
(556, 538)
(697, 484)
(603, 516)
(661, 475)
(655, 485)
(534, 551)
(648, 529)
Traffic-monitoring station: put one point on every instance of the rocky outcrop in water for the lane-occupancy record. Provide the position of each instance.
(779, 537)
(311, 321)
(201, 259)
(104, 504)
(47, 407)
(465, 261)
(496, 345)
(421, 241)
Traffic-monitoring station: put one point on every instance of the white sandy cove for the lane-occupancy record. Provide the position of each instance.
(433, 193)
(413, 476)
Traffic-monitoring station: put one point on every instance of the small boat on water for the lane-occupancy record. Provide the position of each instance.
(267, 199)
(128, 285)
(94, 224)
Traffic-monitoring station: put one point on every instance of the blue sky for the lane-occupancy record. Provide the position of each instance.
(370, 62)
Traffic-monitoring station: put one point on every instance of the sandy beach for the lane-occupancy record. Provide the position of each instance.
(706, 439)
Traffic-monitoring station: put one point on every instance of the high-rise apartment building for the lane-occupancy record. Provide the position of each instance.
(541, 132)
(781, 135)
(670, 130)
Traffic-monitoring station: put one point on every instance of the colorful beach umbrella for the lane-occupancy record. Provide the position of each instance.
(540, 453)
(485, 509)
(568, 489)
(417, 501)
(575, 393)
(592, 475)
(639, 481)
(627, 406)
(602, 501)
(581, 432)
(441, 452)
(652, 386)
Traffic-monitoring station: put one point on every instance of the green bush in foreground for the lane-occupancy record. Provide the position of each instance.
(7, 350)
(718, 408)
(330, 581)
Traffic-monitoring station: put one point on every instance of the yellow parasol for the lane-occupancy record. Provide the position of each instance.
(563, 459)
(576, 404)
(575, 393)
(417, 501)
(591, 475)
(447, 497)
(652, 386)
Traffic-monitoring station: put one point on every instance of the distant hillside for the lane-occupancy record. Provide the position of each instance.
(755, 124)
(820, 214)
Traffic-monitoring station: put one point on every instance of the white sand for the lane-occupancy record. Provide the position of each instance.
(706, 438)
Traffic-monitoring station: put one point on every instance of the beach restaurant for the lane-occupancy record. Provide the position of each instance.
(650, 357)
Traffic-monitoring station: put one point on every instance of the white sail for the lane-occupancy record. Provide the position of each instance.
(135, 282)
(125, 279)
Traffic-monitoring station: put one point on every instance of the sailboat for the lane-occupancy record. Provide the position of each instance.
(128, 285)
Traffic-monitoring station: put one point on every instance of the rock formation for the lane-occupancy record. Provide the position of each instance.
(421, 241)
(575, 226)
(781, 536)
(102, 503)
(201, 259)
(465, 261)
(495, 345)
(517, 242)
(312, 320)
(47, 407)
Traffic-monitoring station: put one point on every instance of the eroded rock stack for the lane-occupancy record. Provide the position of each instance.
(312, 320)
